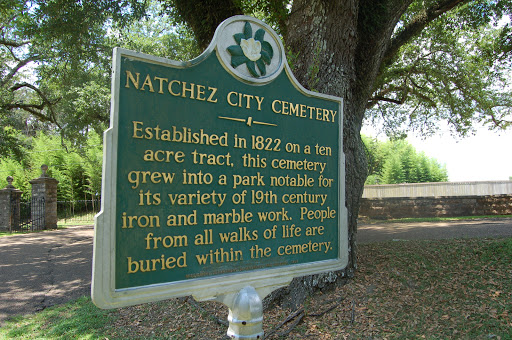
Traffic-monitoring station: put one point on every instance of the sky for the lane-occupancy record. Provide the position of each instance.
(486, 156)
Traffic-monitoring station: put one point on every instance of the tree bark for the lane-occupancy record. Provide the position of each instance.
(323, 35)
(203, 17)
(340, 46)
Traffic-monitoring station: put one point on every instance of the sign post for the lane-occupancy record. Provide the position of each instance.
(223, 178)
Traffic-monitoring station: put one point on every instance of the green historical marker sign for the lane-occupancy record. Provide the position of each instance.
(219, 173)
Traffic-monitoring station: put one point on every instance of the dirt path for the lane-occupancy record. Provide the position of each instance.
(44, 269)
(368, 233)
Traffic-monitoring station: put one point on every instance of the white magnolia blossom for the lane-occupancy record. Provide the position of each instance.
(251, 48)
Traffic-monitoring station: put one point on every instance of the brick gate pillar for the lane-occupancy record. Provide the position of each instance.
(44, 189)
(9, 206)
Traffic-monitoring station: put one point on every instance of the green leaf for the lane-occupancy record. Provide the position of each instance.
(259, 35)
(238, 60)
(235, 50)
(261, 66)
(247, 30)
(252, 68)
(266, 58)
(265, 46)
(238, 37)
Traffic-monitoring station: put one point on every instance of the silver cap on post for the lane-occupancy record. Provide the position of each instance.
(246, 315)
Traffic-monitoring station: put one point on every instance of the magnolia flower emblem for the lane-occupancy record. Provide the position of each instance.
(253, 52)
(251, 49)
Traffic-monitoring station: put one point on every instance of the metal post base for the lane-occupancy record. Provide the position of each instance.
(246, 315)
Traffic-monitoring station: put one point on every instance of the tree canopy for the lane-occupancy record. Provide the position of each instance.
(401, 62)
(455, 70)
(446, 60)
(56, 56)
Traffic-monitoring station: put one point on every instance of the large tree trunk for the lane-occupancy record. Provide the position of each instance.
(339, 46)
(323, 35)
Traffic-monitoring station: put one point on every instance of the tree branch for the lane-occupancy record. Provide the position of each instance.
(204, 16)
(418, 23)
(372, 101)
(498, 122)
(12, 43)
(16, 68)
(37, 90)
(299, 314)
(381, 96)
(33, 108)
(325, 311)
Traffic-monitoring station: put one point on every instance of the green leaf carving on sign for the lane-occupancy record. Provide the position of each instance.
(255, 53)
(247, 30)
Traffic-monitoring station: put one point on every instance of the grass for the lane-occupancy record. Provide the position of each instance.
(62, 223)
(402, 290)
(77, 219)
(6, 233)
(433, 219)
(75, 320)
(441, 289)
(70, 223)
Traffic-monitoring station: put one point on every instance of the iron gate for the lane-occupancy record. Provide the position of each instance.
(27, 216)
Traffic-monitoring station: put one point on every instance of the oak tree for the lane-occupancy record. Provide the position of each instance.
(410, 62)
(55, 62)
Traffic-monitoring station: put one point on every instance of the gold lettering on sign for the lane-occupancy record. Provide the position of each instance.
(161, 263)
(246, 101)
(272, 205)
(303, 111)
(178, 135)
(175, 87)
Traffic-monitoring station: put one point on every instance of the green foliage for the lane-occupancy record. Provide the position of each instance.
(393, 171)
(157, 33)
(376, 156)
(396, 161)
(12, 167)
(456, 70)
(55, 59)
(92, 163)
(78, 170)
(273, 12)
(11, 142)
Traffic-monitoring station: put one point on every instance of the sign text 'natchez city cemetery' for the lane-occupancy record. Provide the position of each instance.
(219, 171)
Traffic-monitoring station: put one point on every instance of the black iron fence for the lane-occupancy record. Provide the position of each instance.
(81, 211)
(27, 215)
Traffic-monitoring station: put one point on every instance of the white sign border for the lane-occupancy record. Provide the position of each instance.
(103, 292)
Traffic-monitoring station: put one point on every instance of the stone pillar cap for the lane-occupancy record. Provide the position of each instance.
(9, 182)
(44, 168)
(44, 178)
(10, 187)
